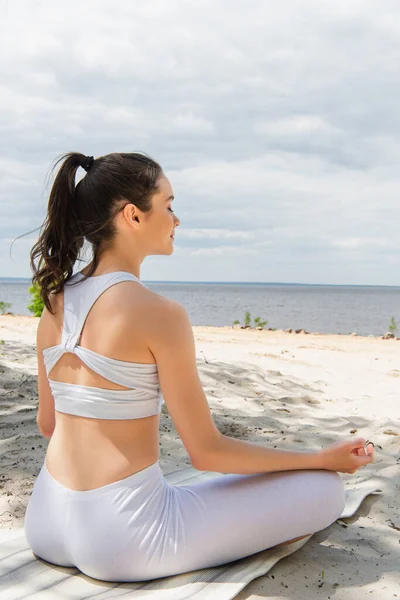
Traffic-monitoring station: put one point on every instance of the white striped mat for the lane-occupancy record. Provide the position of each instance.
(24, 576)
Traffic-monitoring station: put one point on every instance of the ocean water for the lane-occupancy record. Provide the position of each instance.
(366, 310)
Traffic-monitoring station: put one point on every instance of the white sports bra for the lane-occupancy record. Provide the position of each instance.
(142, 400)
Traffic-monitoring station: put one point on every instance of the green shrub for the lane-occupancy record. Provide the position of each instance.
(4, 306)
(247, 321)
(260, 323)
(37, 305)
(393, 325)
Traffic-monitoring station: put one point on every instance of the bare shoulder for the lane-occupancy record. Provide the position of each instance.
(136, 305)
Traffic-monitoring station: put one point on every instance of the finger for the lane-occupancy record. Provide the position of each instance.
(358, 451)
(357, 443)
(364, 460)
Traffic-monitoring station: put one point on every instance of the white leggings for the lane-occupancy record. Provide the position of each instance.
(142, 527)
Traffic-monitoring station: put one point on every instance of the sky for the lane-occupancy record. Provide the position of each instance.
(277, 124)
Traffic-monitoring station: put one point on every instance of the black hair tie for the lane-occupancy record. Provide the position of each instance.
(87, 161)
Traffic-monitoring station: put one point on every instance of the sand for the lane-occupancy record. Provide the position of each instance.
(288, 391)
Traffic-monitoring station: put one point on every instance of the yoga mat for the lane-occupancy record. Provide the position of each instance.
(22, 575)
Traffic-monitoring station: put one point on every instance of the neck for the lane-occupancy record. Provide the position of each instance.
(111, 265)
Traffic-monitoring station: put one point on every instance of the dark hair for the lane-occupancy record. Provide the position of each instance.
(86, 212)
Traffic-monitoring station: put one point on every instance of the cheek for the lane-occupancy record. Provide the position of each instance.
(165, 222)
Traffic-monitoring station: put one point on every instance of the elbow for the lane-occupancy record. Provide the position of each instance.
(45, 430)
(205, 463)
(197, 464)
(207, 460)
(46, 433)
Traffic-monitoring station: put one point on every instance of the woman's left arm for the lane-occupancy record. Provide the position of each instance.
(45, 419)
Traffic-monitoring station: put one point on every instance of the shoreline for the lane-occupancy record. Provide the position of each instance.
(297, 333)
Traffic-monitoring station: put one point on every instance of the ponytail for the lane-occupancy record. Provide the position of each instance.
(86, 211)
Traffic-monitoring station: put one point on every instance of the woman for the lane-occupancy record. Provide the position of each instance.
(110, 351)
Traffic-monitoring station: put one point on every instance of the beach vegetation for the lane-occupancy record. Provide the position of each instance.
(259, 323)
(247, 321)
(37, 305)
(393, 325)
(4, 306)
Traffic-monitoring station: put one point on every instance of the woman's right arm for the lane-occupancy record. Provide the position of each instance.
(171, 342)
(237, 456)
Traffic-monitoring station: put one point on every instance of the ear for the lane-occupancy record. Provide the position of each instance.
(130, 214)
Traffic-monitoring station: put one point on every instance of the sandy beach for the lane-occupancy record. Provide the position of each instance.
(287, 391)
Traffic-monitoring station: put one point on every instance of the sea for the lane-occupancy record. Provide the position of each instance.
(339, 309)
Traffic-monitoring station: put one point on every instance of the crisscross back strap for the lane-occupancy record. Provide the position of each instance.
(79, 299)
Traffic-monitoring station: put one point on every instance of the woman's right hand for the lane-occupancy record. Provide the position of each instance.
(346, 456)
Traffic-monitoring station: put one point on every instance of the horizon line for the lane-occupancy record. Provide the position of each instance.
(27, 279)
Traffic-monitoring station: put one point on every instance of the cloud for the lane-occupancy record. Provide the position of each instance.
(277, 124)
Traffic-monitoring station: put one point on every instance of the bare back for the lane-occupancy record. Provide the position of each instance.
(85, 453)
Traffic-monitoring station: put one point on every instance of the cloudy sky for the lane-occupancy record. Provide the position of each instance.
(277, 124)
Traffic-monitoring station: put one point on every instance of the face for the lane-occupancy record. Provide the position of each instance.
(154, 230)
